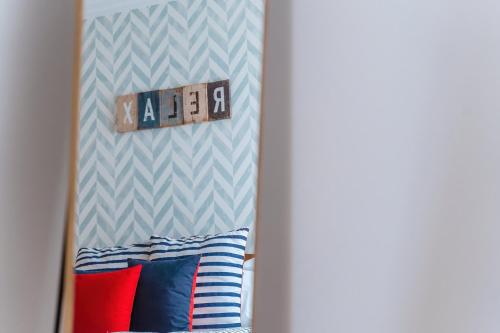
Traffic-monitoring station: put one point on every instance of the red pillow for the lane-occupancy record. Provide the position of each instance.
(191, 308)
(104, 301)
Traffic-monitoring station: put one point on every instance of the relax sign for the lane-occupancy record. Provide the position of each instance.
(173, 107)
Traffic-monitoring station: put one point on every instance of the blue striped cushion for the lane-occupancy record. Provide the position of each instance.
(110, 258)
(217, 299)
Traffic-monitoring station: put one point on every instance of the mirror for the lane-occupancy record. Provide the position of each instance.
(166, 135)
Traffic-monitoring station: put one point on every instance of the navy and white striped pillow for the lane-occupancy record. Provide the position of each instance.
(109, 258)
(217, 298)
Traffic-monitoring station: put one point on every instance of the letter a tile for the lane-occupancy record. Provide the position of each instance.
(149, 109)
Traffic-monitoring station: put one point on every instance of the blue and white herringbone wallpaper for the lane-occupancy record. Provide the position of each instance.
(188, 180)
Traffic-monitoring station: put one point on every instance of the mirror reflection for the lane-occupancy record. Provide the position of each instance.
(166, 189)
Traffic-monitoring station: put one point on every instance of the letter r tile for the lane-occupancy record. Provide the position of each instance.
(219, 100)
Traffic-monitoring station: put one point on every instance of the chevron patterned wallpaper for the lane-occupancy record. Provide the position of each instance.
(188, 180)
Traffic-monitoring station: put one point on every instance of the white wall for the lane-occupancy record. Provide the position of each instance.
(35, 87)
(389, 138)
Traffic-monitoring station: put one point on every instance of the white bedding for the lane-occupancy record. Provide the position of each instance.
(247, 293)
(227, 330)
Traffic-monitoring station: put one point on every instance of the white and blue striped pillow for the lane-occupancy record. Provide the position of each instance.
(217, 299)
(109, 258)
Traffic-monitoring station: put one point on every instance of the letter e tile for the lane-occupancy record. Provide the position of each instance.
(195, 103)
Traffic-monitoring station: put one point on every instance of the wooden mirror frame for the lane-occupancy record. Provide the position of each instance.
(66, 298)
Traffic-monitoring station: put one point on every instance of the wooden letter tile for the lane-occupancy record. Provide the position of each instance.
(171, 108)
(149, 109)
(219, 102)
(126, 113)
(195, 103)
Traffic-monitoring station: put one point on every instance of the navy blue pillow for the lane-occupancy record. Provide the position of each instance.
(163, 297)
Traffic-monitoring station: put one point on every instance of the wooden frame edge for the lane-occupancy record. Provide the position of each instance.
(66, 323)
(261, 145)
